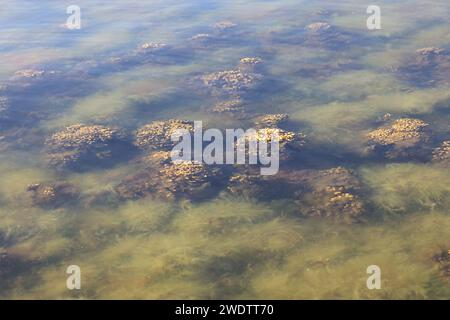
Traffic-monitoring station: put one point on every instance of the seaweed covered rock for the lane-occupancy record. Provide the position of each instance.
(53, 195)
(81, 145)
(222, 34)
(405, 138)
(317, 35)
(289, 143)
(250, 184)
(443, 264)
(233, 82)
(233, 107)
(271, 120)
(157, 158)
(157, 135)
(151, 47)
(335, 202)
(224, 25)
(322, 34)
(230, 81)
(250, 64)
(318, 27)
(442, 153)
(148, 52)
(29, 73)
(201, 37)
(28, 78)
(175, 180)
(332, 193)
(427, 67)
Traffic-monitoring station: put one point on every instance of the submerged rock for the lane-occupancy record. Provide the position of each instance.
(230, 81)
(442, 153)
(250, 64)
(146, 53)
(318, 27)
(233, 107)
(332, 193)
(289, 143)
(157, 135)
(200, 37)
(29, 73)
(403, 139)
(24, 79)
(427, 67)
(52, 195)
(324, 70)
(183, 179)
(322, 34)
(224, 25)
(80, 144)
(271, 120)
(151, 47)
(443, 264)
(233, 82)
(157, 158)
(250, 184)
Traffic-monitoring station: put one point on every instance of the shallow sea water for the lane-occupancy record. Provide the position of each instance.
(226, 247)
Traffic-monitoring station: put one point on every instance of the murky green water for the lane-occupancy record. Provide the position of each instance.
(334, 89)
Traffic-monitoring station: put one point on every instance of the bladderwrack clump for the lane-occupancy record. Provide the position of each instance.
(233, 82)
(173, 181)
(271, 120)
(79, 146)
(53, 195)
(334, 193)
(427, 67)
(402, 139)
(441, 155)
(289, 143)
(157, 135)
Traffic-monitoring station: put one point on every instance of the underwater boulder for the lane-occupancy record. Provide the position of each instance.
(271, 120)
(166, 179)
(442, 261)
(52, 195)
(78, 146)
(224, 25)
(148, 52)
(427, 67)
(250, 64)
(30, 73)
(402, 139)
(332, 193)
(250, 184)
(232, 107)
(232, 82)
(320, 35)
(289, 143)
(157, 135)
(441, 154)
